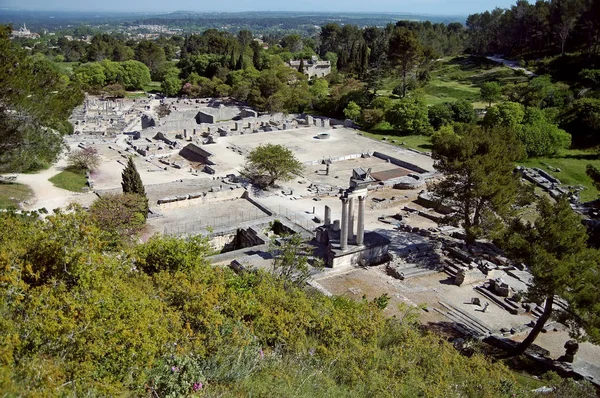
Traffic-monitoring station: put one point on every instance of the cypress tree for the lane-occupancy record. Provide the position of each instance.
(232, 60)
(301, 66)
(240, 62)
(132, 182)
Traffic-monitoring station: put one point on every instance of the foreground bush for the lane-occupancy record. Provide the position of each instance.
(77, 319)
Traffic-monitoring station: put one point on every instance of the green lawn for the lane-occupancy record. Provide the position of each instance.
(460, 78)
(11, 194)
(152, 87)
(136, 94)
(457, 78)
(70, 179)
(419, 142)
(437, 91)
(65, 67)
(572, 164)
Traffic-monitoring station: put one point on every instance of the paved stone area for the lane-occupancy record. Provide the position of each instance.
(196, 218)
(307, 147)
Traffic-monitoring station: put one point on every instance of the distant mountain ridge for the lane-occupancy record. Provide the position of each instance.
(60, 19)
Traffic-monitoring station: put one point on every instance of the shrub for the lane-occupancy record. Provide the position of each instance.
(121, 214)
(84, 159)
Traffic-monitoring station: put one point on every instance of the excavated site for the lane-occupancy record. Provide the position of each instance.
(363, 204)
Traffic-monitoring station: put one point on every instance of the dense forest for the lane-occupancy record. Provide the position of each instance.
(537, 29)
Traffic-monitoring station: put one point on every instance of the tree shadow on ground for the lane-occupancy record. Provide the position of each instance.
(473, 63)
(412, 248)
(586, 156)
(443, 328)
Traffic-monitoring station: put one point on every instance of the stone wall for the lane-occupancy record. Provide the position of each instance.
(368, 255)
(205, 117)
(200, 198)
(236, 240)
(399, 162)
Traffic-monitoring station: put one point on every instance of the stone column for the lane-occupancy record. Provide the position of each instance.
(344, 226)
(360, 229)
(351, 219)
(327, 216)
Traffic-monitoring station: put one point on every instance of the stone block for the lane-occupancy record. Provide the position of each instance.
(468, 277)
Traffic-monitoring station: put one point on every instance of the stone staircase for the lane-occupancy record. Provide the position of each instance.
(508, 305)
(464, 321)
(452, 267)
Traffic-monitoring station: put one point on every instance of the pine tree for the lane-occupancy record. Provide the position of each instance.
(554, 248)
(132, 182)
(478, 168)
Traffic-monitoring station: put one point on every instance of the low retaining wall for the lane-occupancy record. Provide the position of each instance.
(338, 159)
(262, 207)
(200, 198)
(399, 162)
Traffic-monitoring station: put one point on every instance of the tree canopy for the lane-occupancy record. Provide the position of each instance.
(35, 104)
(478, 173)
(554, 248)
(490, 92)
(268, 163)
(132, 182)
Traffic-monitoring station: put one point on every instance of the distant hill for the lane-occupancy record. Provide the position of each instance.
(253, 20)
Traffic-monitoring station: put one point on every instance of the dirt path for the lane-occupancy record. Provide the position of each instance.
(511, 64)
(45, 194)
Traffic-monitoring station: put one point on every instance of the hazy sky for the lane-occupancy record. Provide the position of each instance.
(440, 7)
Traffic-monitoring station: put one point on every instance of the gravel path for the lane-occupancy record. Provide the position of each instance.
(511, 64)
(45, 194)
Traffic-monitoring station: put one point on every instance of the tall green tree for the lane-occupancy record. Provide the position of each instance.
(479, 181)
(244, 37)
(150, 54)
(135, 75)
(463, 111)
(506, 115)
(132, 182)
(440, 115)
(171, 83)
(404, 50)
(490, 92)
(554, 249)
(352, 111)
(269, 162)
(541, 137)
(564, 15)
(35, 104)
(582, 120)
(409, 116)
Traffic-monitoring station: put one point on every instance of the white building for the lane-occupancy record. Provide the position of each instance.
(24, 32)
(313, 67)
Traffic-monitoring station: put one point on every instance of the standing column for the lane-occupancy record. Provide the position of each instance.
(351, 219)
(344, 227)
(360, 232)
(327, 216)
